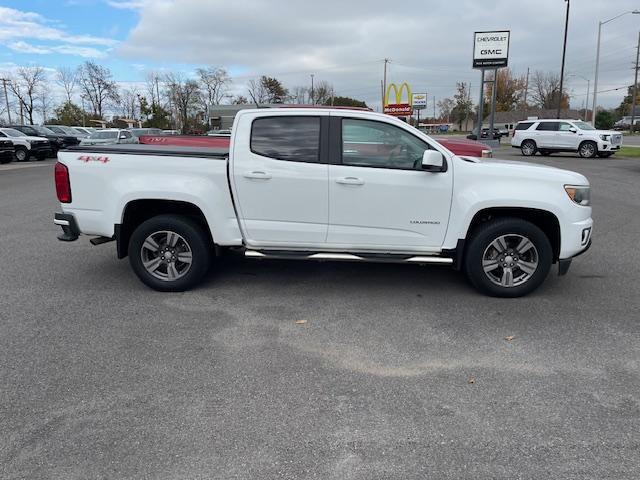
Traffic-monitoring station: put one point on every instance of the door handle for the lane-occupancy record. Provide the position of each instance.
(350, 181)
(258, 175)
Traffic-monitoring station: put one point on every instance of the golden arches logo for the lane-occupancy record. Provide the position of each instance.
(398, 94)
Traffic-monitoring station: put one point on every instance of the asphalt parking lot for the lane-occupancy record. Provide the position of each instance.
(400, 371)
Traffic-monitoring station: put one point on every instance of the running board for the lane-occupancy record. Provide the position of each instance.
(349, 257)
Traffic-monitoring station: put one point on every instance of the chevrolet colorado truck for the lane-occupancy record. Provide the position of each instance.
(324, 184)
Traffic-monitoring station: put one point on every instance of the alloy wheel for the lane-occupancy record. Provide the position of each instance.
(166, 255)
(510, 260)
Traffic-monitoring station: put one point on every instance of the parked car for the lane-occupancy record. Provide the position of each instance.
(109, 136)
(86, 130)
(144, 131)
(459, 146)
(484, 133)
(27, 146)
(170, 132)
(324, 184)
(64, 130)
(548, 136)
(57, 141)
(7, 151)
(219, 133)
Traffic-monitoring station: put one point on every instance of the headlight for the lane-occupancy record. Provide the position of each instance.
(579, 194)
(605, 137)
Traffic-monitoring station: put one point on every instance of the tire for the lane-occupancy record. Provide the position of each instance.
(163, 232)
(528, 148)
(605, 154)
(528, 263)
(588, 149)
(22, 154)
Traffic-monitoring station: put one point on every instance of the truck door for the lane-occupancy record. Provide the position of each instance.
(379, 197)
(280, 182)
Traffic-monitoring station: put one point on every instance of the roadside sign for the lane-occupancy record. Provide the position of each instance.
(419, 101)
(491, 49)
(400, 108)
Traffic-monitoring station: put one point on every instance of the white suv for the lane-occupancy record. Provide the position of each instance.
(548, 136)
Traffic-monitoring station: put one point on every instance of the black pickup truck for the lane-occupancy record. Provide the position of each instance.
(57, 141)
(6, 151)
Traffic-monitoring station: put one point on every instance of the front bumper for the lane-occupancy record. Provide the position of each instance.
(70, 230)
(576, 239)
(608, 146)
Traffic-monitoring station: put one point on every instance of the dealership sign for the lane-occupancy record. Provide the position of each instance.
(491, 49)
(419, 101)
(399, 108)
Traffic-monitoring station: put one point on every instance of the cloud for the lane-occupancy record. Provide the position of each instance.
(17, 24)
(127, 5)
(345, 42)
(86, 52)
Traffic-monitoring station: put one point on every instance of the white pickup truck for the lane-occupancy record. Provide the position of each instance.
(324, 184)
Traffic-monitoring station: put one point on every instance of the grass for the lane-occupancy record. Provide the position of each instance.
(628, 152)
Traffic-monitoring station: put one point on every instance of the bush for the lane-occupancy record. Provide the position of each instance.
(604, 120)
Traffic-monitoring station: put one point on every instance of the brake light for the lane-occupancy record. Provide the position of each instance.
(63, 185)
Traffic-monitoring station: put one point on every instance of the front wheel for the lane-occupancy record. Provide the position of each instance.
(22, 154)
(588, 149)
(170, 253)
(528, 148)
(508, 257)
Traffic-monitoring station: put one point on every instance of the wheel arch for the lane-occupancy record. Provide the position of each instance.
(543, 219)
(137, 211)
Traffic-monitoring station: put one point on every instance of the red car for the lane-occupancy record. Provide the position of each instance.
(459, 146)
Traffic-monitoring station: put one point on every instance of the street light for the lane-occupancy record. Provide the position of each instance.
(586, 101)
(564, 53)
(595, 83)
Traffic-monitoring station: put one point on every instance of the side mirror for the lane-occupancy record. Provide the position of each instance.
(433, 161)
(573, 130)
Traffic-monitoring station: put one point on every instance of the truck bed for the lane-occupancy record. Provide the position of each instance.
(164, 150)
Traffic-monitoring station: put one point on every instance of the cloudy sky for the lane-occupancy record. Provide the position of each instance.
(428, 42)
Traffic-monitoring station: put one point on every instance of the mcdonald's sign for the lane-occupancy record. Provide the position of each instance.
(398, 108)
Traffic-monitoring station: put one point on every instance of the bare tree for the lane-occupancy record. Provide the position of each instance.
(184, 95)
(446, 106)
(129, 103)
(300, 95)
(67, 78)
(153, 81)
(240, 100)
(322, 93)
(545, 89)
(26, 86)
(213, 83)
(258, 91)
(97, 86)
(44, 103)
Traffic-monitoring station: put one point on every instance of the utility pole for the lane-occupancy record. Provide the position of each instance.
(635, 89)
(434, 109)
(313, 99)
(526, 91)
(6, 97)
(564, 51)
(384, 81)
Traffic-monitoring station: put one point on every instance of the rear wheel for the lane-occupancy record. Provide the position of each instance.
(588, 149)
(170, 253)
(22, 154)
(508, 257)
(528, 148)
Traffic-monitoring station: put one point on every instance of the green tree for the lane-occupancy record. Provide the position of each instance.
(463, 105)
(605, 120)
(346, 102)
(625, 106)
(157, 117)
(275, 90)
(68, 114)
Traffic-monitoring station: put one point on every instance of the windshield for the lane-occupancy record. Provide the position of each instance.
(13, 133)
(43, 130)
(104, 135)
(583, 126)
(68, 130)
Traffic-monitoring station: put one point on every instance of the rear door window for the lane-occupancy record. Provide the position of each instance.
(523, 125)
(547, 126)
(290, 138)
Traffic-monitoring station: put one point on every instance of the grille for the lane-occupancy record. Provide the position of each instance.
(616, 139)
